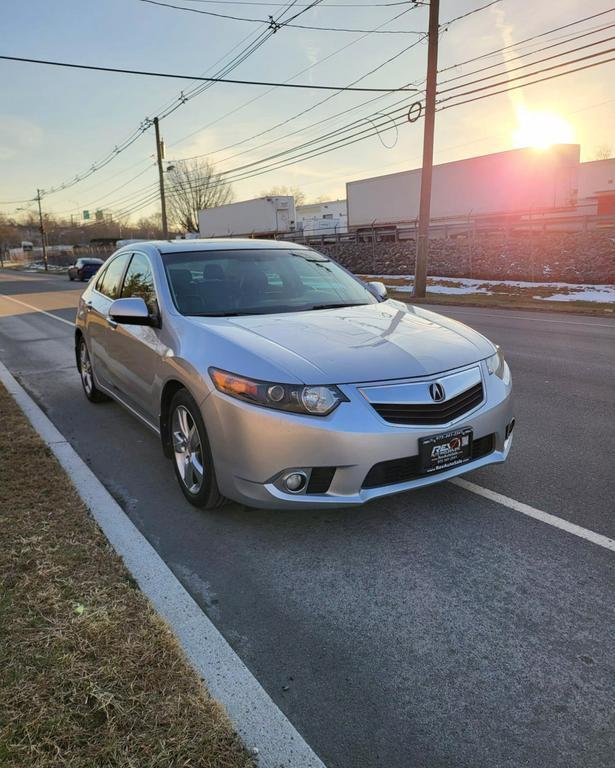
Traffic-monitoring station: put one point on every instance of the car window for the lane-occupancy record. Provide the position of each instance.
(100, 278)
(139, 281)
(110, 282)
(79, 263)
(259, 281)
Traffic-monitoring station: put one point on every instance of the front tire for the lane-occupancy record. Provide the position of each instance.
(93, 394)
(191, 454)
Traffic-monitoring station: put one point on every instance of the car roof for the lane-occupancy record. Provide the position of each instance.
(220, 244)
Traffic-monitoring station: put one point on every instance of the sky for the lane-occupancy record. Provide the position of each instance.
(55, 123)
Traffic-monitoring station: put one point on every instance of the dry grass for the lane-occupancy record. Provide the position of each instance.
(89, 674)
(507, 301)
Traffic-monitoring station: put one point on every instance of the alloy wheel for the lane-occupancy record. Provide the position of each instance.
(86, 368)
(187, 449)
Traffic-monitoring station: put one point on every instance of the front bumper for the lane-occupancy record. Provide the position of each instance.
(253, 446)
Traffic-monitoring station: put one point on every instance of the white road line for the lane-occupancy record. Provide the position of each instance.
(257, 719)
(37, 309)
(537, 514)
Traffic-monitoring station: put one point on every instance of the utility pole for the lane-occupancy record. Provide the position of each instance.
(163, 203)
(422, 245)
(42, 228)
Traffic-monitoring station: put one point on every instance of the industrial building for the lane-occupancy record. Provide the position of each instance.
(521, 189)
(518, 188)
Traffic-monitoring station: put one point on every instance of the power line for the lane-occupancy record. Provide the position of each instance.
(364, 133)
(356, 31)
(470, 13)
(17, 202)
(508, 61)
(533, 63)
(231, 175)
(328, 98)
(325, 5)
(522, 85)
(205, 13)
(526, 40)
(297, 74)
(305, 111)
(118, 149)
(277, 25)
(321, 151)
(305, 26)
(305, 69)
(484, 55)
(147, 200)
(307, 86)
(521, 77)
(251, 48)
(377, 116)
(305, 128)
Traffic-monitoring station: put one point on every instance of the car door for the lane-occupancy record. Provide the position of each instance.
(107, 288)
(135, 351)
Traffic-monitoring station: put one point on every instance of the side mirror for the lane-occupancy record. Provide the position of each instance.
(130, 312)
(378, 289)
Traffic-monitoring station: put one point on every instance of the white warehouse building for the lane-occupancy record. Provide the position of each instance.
(520, 185)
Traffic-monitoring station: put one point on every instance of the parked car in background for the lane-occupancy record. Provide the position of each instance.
(84, 269)
(275, 378)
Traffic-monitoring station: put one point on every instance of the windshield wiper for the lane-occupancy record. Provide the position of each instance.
(339, 306)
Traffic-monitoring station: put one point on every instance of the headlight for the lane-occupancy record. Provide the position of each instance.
(315, 400)
(496, 364)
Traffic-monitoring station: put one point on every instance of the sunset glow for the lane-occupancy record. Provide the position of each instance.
(541, 130)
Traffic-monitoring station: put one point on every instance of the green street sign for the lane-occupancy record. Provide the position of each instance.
(86, 215)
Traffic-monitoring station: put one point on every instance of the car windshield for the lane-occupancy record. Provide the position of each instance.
(255, 281)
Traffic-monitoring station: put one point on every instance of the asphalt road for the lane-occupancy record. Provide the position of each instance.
(431, 629)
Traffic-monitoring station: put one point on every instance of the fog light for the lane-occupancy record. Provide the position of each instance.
(295, 482)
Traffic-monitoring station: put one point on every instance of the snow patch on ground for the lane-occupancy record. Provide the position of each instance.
(468, 286)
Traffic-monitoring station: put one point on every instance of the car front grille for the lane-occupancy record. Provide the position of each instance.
(408, 468)
(431, 413)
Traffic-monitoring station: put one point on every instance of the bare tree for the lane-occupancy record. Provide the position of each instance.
(295, 192)
(149, 227)
(603, 152)
(194, 185)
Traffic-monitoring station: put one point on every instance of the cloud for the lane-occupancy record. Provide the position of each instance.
(506, 31)
(18, 135)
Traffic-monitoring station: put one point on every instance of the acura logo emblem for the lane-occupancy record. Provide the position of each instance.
(436, 390)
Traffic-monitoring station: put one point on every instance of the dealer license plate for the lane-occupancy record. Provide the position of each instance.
(446, 450)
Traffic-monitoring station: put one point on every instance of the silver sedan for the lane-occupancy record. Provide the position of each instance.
(275, 378)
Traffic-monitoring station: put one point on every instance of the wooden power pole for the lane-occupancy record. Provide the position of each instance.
(42, 228)
(163, 202)
(422, 245)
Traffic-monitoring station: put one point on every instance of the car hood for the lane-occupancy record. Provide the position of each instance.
(374, 342)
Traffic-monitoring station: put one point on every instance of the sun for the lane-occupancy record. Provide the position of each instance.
(541, 130)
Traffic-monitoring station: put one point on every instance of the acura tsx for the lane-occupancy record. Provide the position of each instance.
(275, 378)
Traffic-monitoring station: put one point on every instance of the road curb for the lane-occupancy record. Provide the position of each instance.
(259, 722)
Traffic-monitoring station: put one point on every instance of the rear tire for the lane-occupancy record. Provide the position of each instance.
(191, 454)
(93, 394)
